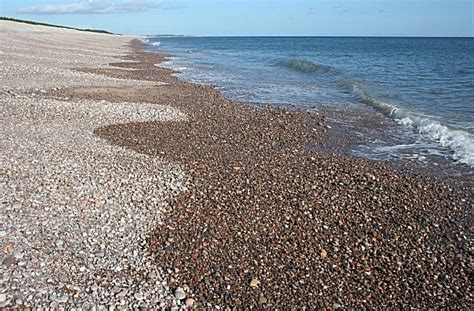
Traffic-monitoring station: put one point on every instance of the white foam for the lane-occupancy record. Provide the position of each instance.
(147, 41)
(461, 143)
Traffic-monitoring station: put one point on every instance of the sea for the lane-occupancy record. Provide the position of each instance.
(422, 87)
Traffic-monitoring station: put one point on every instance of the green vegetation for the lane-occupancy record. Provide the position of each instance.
(50, 25)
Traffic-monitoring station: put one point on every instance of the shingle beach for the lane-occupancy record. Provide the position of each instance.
(125, 187)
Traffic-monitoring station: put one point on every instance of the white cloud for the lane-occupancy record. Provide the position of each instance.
(96, 7)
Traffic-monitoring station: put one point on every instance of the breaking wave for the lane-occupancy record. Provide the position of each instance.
(460, 143)
(147, 41)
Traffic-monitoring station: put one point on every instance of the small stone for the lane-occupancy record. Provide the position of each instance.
(122, 293)
(189, 302)
(3, 234)
(370, 176)
(9, 261)
(8, 248)
(138, 296)
(262, 300)
(323, 254)
(3, 298)
(82, 269)
(152, 275)
(63, 299)
(336, 306)
(18, 254)
(179, 293)
(254, 283)
(63, 278)
(99, 254)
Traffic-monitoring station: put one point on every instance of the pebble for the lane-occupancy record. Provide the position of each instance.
(254, 283)
(189, 303)
(63, 299)
(323, 254)
(122, 293)
(179, 293)
(99, 254)
(9, 261)
(138, 296)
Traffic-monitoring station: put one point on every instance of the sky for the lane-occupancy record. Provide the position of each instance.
(442, 18)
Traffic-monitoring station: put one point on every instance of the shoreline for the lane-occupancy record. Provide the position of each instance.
(246, 211)
(421, 137)
(269, 222)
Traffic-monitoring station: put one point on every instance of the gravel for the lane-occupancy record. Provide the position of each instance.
(37, 58)
(271, 220)
(76, 212)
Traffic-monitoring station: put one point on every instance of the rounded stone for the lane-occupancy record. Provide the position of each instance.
(179, 293)
(189, 302)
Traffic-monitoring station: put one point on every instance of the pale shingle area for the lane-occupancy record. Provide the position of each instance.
(75, 210)
(39, 57)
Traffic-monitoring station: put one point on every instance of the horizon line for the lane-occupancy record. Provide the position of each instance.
(302, 36)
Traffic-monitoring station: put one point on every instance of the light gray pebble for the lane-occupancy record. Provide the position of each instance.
(122, 293)
(179, 293)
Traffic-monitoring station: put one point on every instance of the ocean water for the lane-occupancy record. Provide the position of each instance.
(425, 85)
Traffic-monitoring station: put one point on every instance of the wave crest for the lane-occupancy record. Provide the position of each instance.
(461, 143)
(147, 41)
(307, 66)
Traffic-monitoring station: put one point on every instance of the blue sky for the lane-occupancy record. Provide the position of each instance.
(255, 17)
